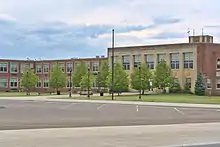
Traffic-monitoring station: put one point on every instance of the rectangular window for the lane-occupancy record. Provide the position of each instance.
(46, 67)
(218, 84)
(137, 60)
(95, 66)
(3, 67)
(188, 60)
(46, 83)
(188, 83)
(161, 57)
(126, 62)
(52, 65)
(62, 66)
(3, 83)
(209, 84)
(218, 64)
(23, 67)
(69, 67)
(39, 84)
(39, 68)
(14, 67)
(149, 59)
(174, 63)
(14, 82)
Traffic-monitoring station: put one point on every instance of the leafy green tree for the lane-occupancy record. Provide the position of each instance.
(140, 78)
(162, 75)
(86, 82)
(29, 80)
(57, 78)
(121, 82)
(80, 71)
(102, 77)
(199, 85)
(175, 86)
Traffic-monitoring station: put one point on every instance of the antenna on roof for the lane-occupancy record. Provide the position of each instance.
(188, 32)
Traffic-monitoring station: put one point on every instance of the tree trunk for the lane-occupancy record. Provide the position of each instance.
(58, 92)
(142, 92)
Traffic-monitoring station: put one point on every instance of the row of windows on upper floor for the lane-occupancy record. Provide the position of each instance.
(150, 60)
(41, 68)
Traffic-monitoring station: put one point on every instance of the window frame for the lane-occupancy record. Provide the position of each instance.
(17, 67)
(11, 81)
(4, 67)
(175, 63)
(126, 62)
(188, 63)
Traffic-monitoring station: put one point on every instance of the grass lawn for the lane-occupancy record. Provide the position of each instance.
(23, 94)
(170, 98)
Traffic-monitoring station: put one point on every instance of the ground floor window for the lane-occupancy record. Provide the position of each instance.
(46, 83)
(3, 83)
(188, 83)
(39, 84)
(218, 84)
(13, 82)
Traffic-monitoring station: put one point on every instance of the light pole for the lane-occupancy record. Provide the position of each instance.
(113, 40)
(140, 82)
(70, 90)
(88, 82)
(28, 82)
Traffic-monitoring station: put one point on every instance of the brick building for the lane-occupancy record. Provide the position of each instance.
(185, 60)
(11, 71)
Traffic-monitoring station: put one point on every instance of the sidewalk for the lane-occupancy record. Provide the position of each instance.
(51, 98)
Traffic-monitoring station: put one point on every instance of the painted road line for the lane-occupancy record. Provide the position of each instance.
(68, 105)
(98, 108)
(137, 108)
(179, 111)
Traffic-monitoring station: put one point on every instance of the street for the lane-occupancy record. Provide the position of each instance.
(48, 114)
(27, 123)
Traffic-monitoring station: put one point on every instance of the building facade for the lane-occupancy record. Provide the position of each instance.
(11, 71)
(185, 60)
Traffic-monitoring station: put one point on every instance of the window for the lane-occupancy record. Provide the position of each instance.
(218, 64)
(209, 84)
(39, 84)
(218, 84)
(14, 67)
(95, 66)
(3, 67)
(76, 64)
(188, 60)
(137, 61)
(13, 82)
(46, 83)
(52, 65)
(88, 64)
(3, 83)
(24, 66)
(46, 67)
(126, 62)
(69, 67)
(188, 83)
(149, 61)
(175, 63)
(161, 57)
(38, 68)
(62, 66)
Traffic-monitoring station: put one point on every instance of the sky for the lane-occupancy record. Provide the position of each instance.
(62, 29)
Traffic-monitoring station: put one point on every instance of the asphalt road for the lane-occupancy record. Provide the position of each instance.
(16, 114)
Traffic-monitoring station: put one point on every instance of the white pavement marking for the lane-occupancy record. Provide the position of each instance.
(68, 105)
(179, 111)
(98, 108)
(218, 110)
(137, 108)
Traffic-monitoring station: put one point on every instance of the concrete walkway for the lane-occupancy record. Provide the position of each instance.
(130, 136)
(56, 99)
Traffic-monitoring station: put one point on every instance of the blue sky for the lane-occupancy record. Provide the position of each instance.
(52, 29)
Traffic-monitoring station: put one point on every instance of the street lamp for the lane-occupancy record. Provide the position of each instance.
(88, 82)
(113, 40)
(70, 90)
(140, 82)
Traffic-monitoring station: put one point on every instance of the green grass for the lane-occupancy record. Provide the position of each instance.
(170, 98)
(23, 94)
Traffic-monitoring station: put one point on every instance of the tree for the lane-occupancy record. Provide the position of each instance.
(140, 78)
(175, 86)
(29, 80)
(57, 79)
(121, 82)
(80, 71)
(162, 77)
(86, 81)
(199, 85)
(102, 77)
